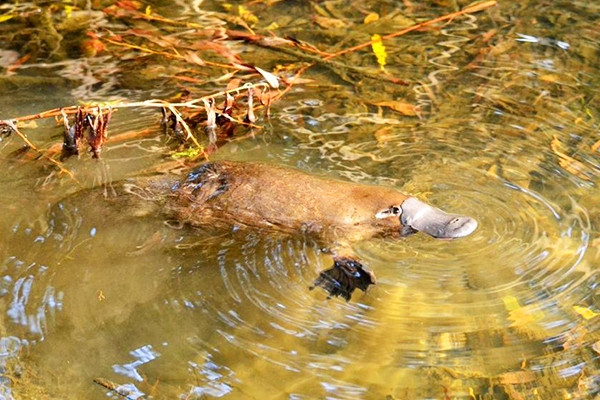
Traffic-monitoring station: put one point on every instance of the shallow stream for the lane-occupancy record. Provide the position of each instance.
(507, 131)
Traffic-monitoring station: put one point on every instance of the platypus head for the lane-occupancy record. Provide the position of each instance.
(418, 216)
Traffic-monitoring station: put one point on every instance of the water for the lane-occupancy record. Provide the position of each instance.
(508, 133)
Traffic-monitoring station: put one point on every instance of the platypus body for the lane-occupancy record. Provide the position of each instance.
(337, 213)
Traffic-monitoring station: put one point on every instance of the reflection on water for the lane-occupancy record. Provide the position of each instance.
(508, 134)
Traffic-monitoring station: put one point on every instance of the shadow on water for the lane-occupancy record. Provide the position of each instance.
(507, 133)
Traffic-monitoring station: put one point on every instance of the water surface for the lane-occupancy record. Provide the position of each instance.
(507, 132)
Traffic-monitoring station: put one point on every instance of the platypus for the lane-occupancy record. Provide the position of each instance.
(337, 213)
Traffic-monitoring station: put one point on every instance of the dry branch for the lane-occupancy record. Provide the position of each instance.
(448, 17)
(94, 120)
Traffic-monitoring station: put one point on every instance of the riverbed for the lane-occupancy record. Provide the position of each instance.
(499, 120)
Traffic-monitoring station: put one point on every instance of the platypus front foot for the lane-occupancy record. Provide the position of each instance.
(346, 275)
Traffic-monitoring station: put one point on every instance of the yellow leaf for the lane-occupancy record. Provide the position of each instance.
(329, 23)
(493, 170)
(247, 15)
(379, 50)
(189, 153)
(371, 17)
(585, 312)
(6, 17)
(511, 303)
(567, 162)
(384, 135)
(589, 112)
(401, 107)
(68, 11)
(521, 317)
(148, 10)
(320, 10)
(549, 78)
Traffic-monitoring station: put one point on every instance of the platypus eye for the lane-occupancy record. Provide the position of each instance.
(389, 212)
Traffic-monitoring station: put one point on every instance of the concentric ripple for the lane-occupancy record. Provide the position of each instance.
(507, 132)
(487, 308)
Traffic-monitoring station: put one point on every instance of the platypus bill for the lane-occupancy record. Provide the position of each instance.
(337, 213)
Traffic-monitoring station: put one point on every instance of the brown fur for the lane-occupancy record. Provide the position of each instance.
(285, 199)
(270, 197)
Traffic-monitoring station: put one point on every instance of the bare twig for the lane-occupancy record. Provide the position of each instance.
(469, 10)
(28, 142)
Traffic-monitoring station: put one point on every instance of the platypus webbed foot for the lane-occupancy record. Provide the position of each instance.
(422, 217)
(346, 275)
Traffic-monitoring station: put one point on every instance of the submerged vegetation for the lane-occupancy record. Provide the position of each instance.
(59, 31)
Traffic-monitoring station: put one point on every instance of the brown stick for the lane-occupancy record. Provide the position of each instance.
(57, 148)
(55, 112)
(469, 10)
(30, 144)
(173, 55)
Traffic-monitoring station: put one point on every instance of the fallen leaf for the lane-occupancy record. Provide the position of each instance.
(294, 80)
(493, 170)
(511, 303)
(92, 46)
(129, 5)
(384, 135)
(401, 107)
(575, 338)
(328, 23)
(8, 57)
(233, 84)
(187, 79)
(191, 152)
(379, 50)
(28, 124)
(218, 48)
(585, 312)
(371, 17)
(6, 17)
(549, 78)
(247, 15)
(567, 162)
(320, 10)
(193, 58)
(489, 34)
(271, 79)
(517, 377)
